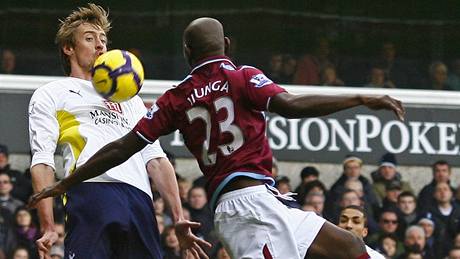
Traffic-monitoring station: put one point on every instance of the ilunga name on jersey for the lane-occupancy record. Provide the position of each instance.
(216, 86)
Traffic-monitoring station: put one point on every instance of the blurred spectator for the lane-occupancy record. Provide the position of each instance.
(352, 167)
(314, 186)
(387, 245)
(454, 253)
(453, 79)
(184, 188)
(7, 235)
(456, 242)
(159, 206)
(316, 200)
(22, 187)
(26, 232)
(354, 219)
(407, 205)
(441, 173)
(170, 243)
(274, 168)
(57, 252)
(378, 79)
(446, 217)
(199, 212)
(308, 174)
(160, 222)
(6, 200)
(438, 76)
(275, 67)
(387, 173)
(388, 223)
(8, 62)
(60, 230)
(309, 66)
(328, 77)
(415, 238)
(390, 202)
(20, 253)
(283, 184)
(396, 69)
(288, 69)
(429, 227)
(222, 253)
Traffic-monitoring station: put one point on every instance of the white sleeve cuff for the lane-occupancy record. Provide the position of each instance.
(43, 158)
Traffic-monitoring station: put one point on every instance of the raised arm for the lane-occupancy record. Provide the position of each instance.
(111, 155)
(300, 106)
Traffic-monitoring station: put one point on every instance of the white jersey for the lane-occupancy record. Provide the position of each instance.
(70, 113)
(374, 254)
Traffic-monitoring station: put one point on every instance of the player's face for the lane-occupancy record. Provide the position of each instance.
(353, 220)
(90, 42)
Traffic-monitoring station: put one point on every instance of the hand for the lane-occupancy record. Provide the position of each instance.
(188, 242)
(45, 243)
(51, 191)
(387, 103)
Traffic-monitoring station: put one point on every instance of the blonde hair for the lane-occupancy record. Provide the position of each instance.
(93, 14)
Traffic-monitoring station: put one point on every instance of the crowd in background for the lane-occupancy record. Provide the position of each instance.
(321, 67)
(400, 222)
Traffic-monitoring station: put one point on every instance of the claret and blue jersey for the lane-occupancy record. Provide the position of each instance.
(218, 108)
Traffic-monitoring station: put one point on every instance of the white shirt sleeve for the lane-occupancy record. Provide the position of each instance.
(43, 128)
(151, 151)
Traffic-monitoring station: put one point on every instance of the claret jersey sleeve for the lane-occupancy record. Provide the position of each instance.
(259, 88)
(158, 121)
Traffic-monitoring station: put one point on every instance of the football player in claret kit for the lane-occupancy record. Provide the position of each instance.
(219, 108)
(111, 215)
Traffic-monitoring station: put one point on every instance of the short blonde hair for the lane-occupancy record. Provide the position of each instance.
(93, 14)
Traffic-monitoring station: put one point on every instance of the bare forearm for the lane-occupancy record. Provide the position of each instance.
(43, 176)
(300, 106)
(162, 173)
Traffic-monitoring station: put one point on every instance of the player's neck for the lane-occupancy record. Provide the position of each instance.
(80, 73)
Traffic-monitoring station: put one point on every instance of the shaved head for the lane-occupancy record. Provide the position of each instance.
(204, 37)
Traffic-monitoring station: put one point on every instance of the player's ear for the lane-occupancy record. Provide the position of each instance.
(227, 45)
(365, 232)
(68, 50)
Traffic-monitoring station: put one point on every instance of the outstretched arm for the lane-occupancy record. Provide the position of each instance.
(111, 155)
(300, 106)
(162, 173)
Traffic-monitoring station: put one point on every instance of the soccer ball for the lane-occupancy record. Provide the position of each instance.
(117, 75)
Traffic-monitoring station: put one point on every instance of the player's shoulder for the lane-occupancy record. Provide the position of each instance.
(255, 76)
(53, 88)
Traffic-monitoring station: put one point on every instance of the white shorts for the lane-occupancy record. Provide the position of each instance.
(253, 223)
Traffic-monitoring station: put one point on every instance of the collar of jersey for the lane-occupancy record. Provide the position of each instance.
(210, 60)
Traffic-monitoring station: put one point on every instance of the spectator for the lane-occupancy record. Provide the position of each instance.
(454, 253)
(441, 173)
(378, 79)
(314, 186)
(20, 253)
(309, 66)
(283, 184)
(60, 230)
(288, 69)
(160, 222)
(184, 188)
(415, 238)
(387, 245)
(26, 232)
(453, 79)
(170, 243)
(222, 253)
(275, 67)
(352, 167)
(6, 200)
(199, 212)
(308, 174)
(22, 187)
(7, 236)
(407, 205)
(428, 226)
(390, 202)
(275, 168)
(438, 76)
(57, 252)
(446, 216)
(8, 62)
(328, 77)
(316, 200)
(159, 206)
(386, 173)
(396, 70)
(456, 242)
(388, 224)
